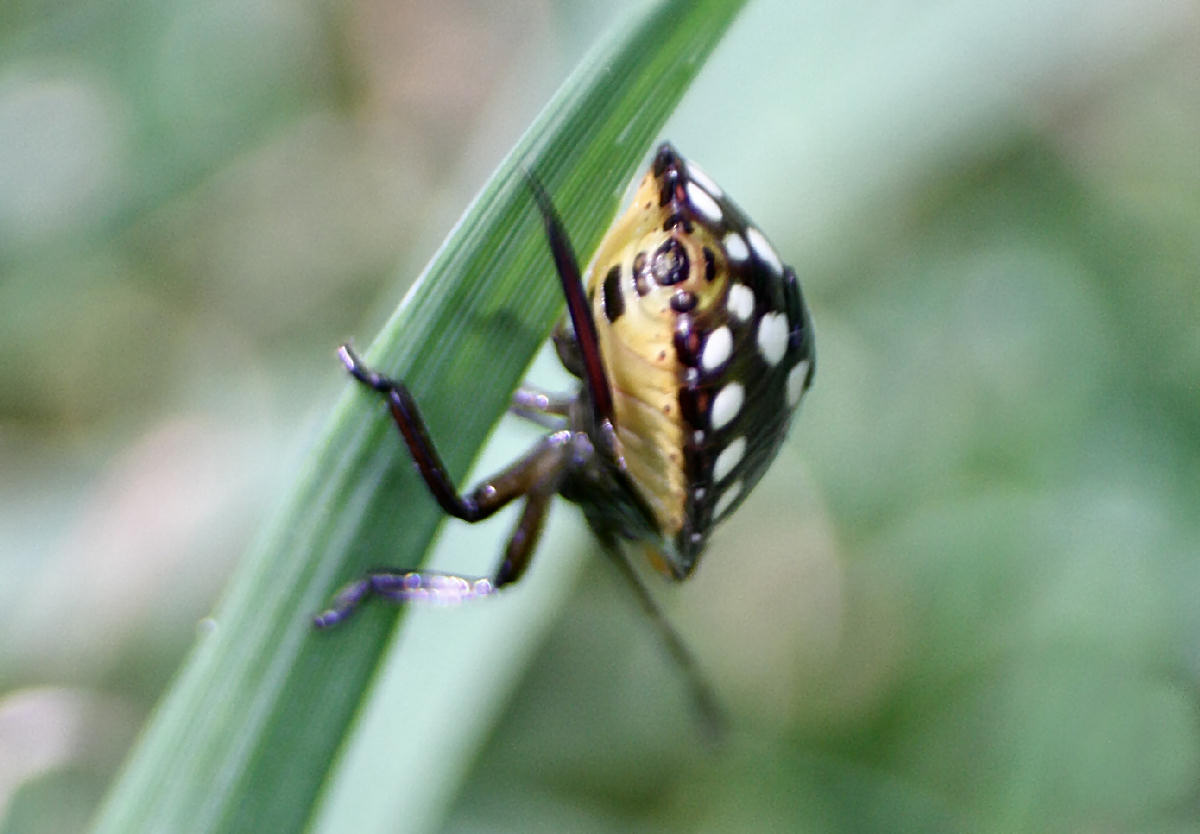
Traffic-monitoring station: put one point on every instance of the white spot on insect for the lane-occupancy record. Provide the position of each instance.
(726, 405)
(773, 337)
(735, 247)
(717, 349)
(764, 250)
(703, 203)
(741, 302)
(795, 383)
(698, 437)
(704, 180)
(727, 498)
(730, 457)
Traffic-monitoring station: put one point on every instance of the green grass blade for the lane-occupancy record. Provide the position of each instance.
(245, 738)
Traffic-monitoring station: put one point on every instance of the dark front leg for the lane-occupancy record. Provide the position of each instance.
(543, 469)
(481, 502)
(536, 477)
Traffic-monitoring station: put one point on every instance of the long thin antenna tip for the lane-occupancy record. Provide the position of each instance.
(710, 715)
(712, 718)
(540, 195)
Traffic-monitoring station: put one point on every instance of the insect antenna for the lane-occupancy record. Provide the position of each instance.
(579, 311)
(709, 713)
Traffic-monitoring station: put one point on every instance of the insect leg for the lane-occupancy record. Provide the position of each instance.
(483, 500)
(528, 398)
(541, 407)
(536, 476)
(525, 535)
(440, 587)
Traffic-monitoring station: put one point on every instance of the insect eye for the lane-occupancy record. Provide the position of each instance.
(670, 264)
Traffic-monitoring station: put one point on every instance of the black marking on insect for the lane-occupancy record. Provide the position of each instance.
(642, 281)
(678, 221)
(691, 372)
(669, 266)
(687, 345)
(683, 301)
(614, 301)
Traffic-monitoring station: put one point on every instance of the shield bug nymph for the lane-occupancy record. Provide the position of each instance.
(694, 346)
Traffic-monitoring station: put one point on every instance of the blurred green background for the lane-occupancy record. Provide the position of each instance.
(964, 599)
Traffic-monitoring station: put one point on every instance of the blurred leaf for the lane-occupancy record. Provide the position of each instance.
(245, 738)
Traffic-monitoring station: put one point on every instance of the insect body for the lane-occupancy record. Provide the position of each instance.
(708, 348)
(695, 347)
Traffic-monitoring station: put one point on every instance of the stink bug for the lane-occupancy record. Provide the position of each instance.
(694, 346)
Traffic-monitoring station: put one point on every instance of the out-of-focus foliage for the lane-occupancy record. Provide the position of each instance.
(965, 597)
